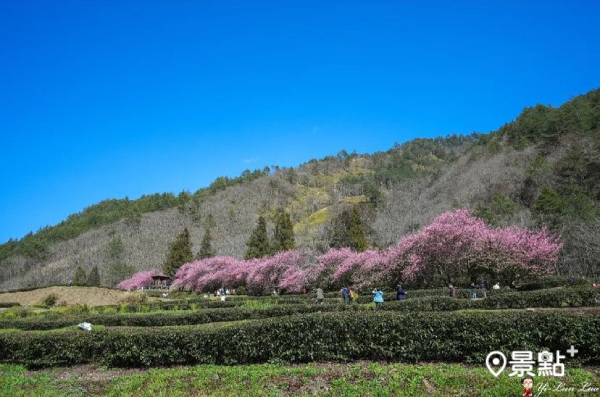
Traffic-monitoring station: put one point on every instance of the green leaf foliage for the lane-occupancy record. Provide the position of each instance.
(283, 235)
(348, 231)
(546, 124)
(500, 209)
(206, 250)
(211, 312)
(93, 279)
(180, 252)
(79, 278)
(465, 337)
(258, 243)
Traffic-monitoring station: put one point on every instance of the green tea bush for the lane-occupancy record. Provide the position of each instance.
(166, 319)
(564, 297)
(9, 304)
(465, 337)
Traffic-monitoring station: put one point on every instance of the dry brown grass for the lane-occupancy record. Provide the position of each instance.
(90, 296)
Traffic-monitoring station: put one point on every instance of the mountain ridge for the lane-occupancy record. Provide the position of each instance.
(545, 149)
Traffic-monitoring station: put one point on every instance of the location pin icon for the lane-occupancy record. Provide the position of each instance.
(489, 361)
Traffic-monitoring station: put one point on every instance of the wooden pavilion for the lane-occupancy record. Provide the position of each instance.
(160, 281)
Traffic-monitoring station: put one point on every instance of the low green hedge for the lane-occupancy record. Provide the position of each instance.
(553, 282)
(375, 335)
(203, 303)
(9, 304)
(558, 297)
(564, 297)
(166, 319)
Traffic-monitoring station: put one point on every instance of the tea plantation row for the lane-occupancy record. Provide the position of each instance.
(465, 337)
(538, 299)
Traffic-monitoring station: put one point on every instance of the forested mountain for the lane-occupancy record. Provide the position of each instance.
(542, 169)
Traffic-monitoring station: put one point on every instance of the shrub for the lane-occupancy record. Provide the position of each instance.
(263, 309)
(135, 298)
(374, 335)
(50, 300)
(9, 304)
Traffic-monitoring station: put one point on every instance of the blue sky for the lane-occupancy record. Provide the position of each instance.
(112, 99)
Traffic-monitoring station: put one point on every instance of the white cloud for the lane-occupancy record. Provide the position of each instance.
(252, 160)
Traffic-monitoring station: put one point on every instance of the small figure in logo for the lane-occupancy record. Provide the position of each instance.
(527, 383)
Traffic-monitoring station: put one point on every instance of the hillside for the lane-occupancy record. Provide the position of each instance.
(542, 169)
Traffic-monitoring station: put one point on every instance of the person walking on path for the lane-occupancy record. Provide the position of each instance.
(400, 293)
(377, 297)
(320, 296)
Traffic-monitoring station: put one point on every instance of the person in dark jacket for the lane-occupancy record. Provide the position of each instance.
(346, 295)
(400, 293)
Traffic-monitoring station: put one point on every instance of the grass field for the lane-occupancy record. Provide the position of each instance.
(354, 379)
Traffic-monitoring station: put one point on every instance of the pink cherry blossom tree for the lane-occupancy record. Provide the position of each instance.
(139, 280)
(455, 244)
(458, 244)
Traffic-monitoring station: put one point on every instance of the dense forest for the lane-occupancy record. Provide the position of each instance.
(540, 170)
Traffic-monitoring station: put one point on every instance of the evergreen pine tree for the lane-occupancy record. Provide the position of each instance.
(283, 235)
(258, 243)
(180, 252)
(339, 230)
(348, 231)
(79, 278)
(549, 208)
(358, 241)
(206, 250)
(93, 279)
(115, 246)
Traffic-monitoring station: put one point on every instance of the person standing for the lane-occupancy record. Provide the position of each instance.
(351, 296)
(320, 296)
(473, 290)
(377, 297)
(482, 290)
(345, 295)
(452, 291)
(400, 293)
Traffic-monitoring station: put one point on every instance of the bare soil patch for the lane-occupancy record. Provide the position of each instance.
(91, 296)
(86, 373)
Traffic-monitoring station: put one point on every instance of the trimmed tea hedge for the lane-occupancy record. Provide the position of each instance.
(166, 319)
(517, 300)
(542, 298)
(9, 304)
(449, 337)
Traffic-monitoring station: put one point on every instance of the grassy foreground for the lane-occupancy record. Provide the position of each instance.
(355, 379)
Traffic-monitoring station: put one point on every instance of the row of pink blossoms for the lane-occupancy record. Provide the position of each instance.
(455, 244)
